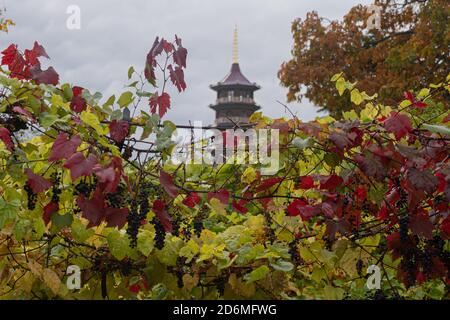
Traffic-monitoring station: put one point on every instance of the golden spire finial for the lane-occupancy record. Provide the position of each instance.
(235, 45)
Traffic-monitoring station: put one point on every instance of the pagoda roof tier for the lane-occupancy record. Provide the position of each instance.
(236, 79)
(235, 106)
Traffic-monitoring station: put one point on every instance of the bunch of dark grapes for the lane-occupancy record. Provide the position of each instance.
(427, 263)
(198, 227)
(138, 211)
(118, 199)
(410, 266)
(56, 190)
(31, 196)
(134, 222)
(160, 234)
(404, 229)
(179, 272)
(176, 225)
(293, 251)
(269, 231)
(220, 285)
(84, 188)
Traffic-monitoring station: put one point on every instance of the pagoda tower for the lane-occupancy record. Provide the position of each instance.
(234, 104)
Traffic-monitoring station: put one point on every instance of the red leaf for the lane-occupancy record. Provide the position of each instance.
(421, 225)
(422, 180)
(78, 103)
(159, 207)
(361, 193)
(36, 182)
(24, 112)
(191, 200)
(398, 124)
(306, 182)
(5, 136)
(80, 166)
(109, 176)
(48, 76)
(409, 96)
(301, 208)
(383, 213)
(223, 195)
(239, 206)
(167, 182)
(177, 77)
(179, 55)
(161, 102)
(63, 148)
(420, 104)
(116, 217)
(267, 183)
(331, 183)
(92, 209)
(445, 228)
(49, 210)
(118, 130)
(39, 50)
(167, 46)
(9, 55)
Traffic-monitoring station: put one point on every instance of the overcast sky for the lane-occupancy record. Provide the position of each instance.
(117, 34)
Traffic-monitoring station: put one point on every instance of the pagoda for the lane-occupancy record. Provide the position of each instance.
(234, 104)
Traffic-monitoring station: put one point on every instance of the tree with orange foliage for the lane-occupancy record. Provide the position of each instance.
(407, 51)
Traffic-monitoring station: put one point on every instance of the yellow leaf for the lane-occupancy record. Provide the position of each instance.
(189, 281)
(92, 120)
(52, 280)
(35, 268)
(249, 175)
(356, 97)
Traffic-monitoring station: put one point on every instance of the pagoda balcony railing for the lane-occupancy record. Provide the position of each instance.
(235, 100)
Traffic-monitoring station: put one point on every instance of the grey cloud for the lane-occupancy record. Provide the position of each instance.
(118, 34)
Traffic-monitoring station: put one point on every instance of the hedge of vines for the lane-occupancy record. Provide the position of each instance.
(88, 181)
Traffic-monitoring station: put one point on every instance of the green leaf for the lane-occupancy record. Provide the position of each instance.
(257, 274)
(301, 143)
(110, 101)
(340, 86)
(118, 244)
(125, 99)
(92, 120)
(47, 120)
(61, 221)
(437, 128)
(145, 242)
(356, 97)
(130, 72)
(8, 211)
(282, 265)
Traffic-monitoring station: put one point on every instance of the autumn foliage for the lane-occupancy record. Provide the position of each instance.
(408, 51)
(93, 186)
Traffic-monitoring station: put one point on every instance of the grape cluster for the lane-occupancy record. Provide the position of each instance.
(31, 197)
(119, 198)
(179, 271)
(84, 188)
(404, 229)
(176, 226)
(160, 234)
(138, 212)
(56, 190)
(220, 285)
(198, 227)
(410, 266)
(134, 222)
(269, 231)
(293, 251)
